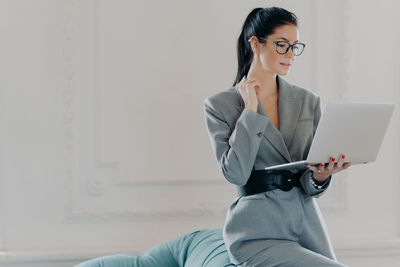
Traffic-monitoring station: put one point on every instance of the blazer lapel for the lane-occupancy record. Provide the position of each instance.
(273, 135)
(289, 111)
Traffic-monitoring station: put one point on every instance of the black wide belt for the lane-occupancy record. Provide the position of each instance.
(263, 180)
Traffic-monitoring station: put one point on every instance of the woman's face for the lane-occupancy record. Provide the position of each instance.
(270, 60)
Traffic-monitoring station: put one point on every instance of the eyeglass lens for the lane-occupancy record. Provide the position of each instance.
(283, 48)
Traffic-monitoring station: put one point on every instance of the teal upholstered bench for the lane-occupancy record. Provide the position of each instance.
(204, 248)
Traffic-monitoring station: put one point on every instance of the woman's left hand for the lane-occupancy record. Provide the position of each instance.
(322, 172)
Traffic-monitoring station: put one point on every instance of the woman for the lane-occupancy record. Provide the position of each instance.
(263, 121)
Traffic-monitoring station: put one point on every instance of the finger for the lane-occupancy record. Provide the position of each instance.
(242, 80)
(249, 87)
(312, 168)
(341, 161)
(254, 82)
(321, 168)
(338, 165)
(346, 165)
(243, 86)
(316, 169)
(331, 164)
(246, 83)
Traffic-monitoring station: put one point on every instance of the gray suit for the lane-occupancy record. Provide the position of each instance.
(274, 228)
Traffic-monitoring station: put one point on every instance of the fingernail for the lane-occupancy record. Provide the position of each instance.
(321, 164)
(308, 166)
(343, 156)
(333, 159)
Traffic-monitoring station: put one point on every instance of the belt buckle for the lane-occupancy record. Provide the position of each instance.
(286, 183)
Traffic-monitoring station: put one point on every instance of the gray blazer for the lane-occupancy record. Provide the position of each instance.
(244, 140)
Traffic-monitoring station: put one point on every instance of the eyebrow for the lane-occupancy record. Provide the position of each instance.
(287, 39)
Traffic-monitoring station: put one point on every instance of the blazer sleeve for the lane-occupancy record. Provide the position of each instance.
(306, 178)
(235, 149)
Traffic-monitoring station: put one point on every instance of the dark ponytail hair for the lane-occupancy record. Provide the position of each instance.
(260, 22)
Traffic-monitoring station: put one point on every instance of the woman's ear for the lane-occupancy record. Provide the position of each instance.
(255, 45)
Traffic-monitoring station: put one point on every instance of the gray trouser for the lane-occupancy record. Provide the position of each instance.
(285, 253)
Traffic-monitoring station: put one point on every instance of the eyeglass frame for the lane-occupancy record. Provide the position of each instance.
(291, 46)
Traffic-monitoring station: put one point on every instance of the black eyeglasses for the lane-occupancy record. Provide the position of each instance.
(282, 47)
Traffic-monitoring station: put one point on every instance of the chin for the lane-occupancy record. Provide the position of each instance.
(283, 72)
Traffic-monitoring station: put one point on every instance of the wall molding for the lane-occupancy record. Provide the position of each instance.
(80, 29)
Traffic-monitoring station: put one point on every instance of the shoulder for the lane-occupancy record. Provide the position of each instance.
(294, 92)
(305, 94)
(308, 100)
(223, 100)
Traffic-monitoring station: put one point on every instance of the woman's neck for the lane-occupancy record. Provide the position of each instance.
(267, 79)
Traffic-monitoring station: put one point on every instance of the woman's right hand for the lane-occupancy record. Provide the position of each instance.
(248, 90)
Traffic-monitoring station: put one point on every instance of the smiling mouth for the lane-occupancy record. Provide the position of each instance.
(284, 64)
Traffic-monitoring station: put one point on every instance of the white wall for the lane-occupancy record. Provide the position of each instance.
(103, 143)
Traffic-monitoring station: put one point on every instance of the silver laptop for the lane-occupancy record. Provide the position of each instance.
(354, 129)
